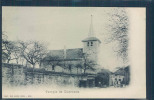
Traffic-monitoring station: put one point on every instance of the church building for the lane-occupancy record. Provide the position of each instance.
(70, 60)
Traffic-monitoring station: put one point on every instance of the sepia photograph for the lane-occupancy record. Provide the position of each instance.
(73, 52)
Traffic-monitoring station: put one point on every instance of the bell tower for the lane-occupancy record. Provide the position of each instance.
(91, 44)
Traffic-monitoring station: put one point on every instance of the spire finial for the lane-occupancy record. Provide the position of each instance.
(91, 33)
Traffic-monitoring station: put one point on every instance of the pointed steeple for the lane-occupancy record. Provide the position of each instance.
(91, 35)
(91, 30)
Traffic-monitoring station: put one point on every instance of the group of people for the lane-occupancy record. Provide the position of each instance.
(119, 83)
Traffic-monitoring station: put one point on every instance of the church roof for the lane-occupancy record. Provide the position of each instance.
(91, 39)
(122, 71)
(70, 53)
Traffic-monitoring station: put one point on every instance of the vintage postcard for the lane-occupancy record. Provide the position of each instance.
(73, 52)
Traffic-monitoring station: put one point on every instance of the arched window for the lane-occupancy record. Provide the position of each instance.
(91, 43)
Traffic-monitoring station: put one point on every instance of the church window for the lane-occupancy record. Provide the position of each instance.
(88, 44)
(91, 43)
(53, 67)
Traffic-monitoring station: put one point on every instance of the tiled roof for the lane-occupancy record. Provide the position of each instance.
(70, 53)
(91, 39)
(121, 71)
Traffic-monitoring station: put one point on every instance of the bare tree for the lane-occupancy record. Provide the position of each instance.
(32, 51)
(4, 50)
(119, 25)
(87, 63)
(9, 50)
(5, 43)
(16, 54)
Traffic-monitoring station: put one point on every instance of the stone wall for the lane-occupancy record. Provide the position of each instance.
(16, 75)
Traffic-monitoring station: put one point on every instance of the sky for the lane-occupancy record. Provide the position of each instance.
(66, 26)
